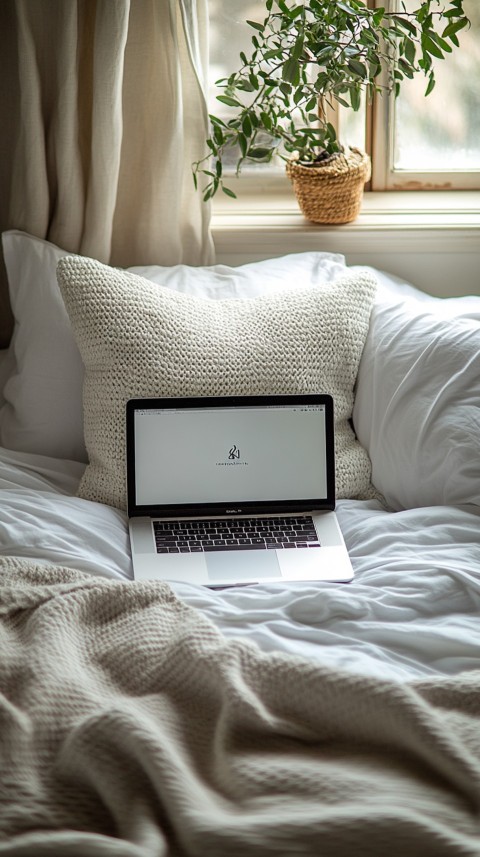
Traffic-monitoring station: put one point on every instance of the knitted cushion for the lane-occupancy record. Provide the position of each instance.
(140, 339)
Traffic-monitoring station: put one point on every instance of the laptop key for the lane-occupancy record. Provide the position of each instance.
(234, 547)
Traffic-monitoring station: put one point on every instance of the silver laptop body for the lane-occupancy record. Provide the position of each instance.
(229, 491)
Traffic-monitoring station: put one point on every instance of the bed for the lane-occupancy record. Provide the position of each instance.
(154, 718)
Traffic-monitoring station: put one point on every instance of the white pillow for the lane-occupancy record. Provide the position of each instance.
(43, 411)
(417, 404)
(43, 401)
(140, 339)
(7, 366)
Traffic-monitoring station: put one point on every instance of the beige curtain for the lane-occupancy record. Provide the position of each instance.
(102, 113)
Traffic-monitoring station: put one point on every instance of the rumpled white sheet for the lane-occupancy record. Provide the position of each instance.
(411, 611)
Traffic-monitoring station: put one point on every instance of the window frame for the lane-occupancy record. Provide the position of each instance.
(381, 142)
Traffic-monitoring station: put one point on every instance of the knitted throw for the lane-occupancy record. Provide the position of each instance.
(130, 727)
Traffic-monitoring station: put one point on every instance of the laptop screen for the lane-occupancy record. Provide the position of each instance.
(224, 452)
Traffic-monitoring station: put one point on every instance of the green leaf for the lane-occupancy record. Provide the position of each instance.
(368, 37)
(355, 99)
(346, 8)
(255, 26)
(421, 14)
(331, 132)
(266, 120)
(243, 144)
(290, 71)
(453, 13)
(410, 51)
(425, 63)
(218, 135)
(272, 54)
(357, 68)
(429, 47)
(375, 67)
(406, 24)
(294, 13)
(258, 154)
(454, 27)
(247, 125)
(378, 16)
(245, 86)
(406, 68)
(226, 99)
(298, 47)
(216, 121)
(431, 84)
(442, 44)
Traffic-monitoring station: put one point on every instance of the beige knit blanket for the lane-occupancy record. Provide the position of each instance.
(130, 726)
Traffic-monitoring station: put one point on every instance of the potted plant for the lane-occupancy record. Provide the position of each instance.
(307, 57)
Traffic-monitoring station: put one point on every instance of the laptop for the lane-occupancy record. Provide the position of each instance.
(230, 491)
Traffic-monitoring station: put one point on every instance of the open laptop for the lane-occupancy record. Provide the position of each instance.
(228, 491)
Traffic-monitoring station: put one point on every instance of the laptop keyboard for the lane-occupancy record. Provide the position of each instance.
(235, 534)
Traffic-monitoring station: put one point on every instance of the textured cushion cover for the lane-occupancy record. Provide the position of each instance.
(140, 339)
(44, 373)
(417, 405)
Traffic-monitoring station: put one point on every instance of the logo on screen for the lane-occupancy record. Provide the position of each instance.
(232, 459)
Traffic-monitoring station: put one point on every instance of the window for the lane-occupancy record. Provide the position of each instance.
(415, 142)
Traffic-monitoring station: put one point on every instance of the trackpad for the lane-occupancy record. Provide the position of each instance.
(240, 566)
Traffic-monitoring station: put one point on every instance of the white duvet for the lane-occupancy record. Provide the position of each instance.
(411, 611)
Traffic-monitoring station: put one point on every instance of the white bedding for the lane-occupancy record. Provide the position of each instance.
(411, 611)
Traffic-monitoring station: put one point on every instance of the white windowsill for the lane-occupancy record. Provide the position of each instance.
(429, 238)
(389, 210)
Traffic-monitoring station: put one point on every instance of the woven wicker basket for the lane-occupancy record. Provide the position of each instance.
(331, 192)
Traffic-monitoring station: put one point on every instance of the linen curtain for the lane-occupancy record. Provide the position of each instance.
(102, 112)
